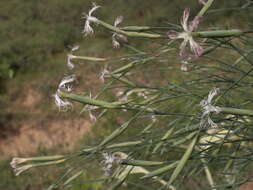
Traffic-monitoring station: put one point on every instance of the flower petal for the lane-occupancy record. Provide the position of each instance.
(183, 52)
(118, 20)
(195, 47)
(184, 21)
(87, 27)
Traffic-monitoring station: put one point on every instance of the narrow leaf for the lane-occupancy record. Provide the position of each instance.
(183, 161)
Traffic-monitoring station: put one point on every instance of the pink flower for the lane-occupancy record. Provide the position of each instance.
(188, 27)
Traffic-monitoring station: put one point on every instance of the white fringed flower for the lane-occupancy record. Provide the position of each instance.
(188, 27)
(115, 35)
(208, 108)
(89, 18)
(65, 85)
(63, 105)
(70, 56)
(66, 82)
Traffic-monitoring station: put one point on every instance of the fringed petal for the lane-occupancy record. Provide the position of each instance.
(184, 21)
(89, 18)
(183, 51)
(195, 47)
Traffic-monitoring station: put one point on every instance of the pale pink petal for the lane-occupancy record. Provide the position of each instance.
(196, 48)
(184, 21)
(183, 51)
(92, 117)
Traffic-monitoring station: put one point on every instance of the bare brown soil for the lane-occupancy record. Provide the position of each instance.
(43, 135)
(37, 130)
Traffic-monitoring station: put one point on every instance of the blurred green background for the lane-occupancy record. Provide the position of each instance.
(35, 37)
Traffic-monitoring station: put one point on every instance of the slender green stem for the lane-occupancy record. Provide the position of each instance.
(129, 34)
(87, 58)
(142, 28)
(117, 145)
(236, 111)
(218, 33)
(208, 174)
(49, 163)
(205, 8)
(141, 163)
(90, 101)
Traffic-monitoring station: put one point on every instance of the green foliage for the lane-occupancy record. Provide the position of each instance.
(172, 96)
(175, 106)
(33, 31)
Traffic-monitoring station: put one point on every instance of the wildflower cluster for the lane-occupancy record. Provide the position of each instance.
(164, 108)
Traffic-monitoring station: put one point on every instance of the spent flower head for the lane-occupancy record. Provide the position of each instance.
(89, 18)
(115, 35)
(16, 161)
(186, 35)
(19, 169)
(104, 72)
(109, 161)
(208, 108)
